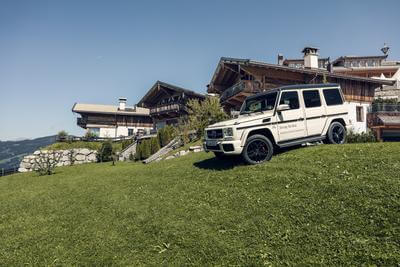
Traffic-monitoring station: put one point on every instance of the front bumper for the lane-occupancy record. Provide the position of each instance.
(226, 147)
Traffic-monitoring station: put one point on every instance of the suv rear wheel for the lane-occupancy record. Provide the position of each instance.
(336, 134)
(258, 149)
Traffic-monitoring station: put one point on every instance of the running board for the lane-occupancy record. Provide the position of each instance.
(301, 141)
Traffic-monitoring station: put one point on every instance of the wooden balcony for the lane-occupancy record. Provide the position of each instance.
(384, 108)
(236, 94)
(168, 109)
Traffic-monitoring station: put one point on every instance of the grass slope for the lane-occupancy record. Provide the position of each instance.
(117, 146)
(328, 205)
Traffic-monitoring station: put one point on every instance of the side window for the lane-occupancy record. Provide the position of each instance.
(311, 99)
(359, 114)
(291, 99)
(332, 97)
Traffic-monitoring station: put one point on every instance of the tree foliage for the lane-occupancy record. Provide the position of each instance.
(105, 152)
(203, 113)
(165, 135)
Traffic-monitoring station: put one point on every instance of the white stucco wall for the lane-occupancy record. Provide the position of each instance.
(358, 127)
(120, 131)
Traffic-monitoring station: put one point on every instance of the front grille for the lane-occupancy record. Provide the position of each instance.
(214, 134)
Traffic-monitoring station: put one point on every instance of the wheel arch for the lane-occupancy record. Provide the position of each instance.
(262, 131)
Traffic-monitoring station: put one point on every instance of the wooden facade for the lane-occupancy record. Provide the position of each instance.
(113, 120)
(167, 103)
(235, 79)
(384, 121)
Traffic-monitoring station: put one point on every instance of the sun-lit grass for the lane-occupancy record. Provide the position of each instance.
(117, 146)
(323, 205)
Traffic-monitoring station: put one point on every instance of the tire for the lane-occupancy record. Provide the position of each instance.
(258, 149)
(336, 134)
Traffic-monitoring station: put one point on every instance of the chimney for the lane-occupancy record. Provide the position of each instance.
(280, 59)
(122, 103)
(310, 57)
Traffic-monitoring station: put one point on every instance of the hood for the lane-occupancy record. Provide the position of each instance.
(242, 119)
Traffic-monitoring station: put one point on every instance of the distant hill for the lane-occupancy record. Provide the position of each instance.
(11, 152)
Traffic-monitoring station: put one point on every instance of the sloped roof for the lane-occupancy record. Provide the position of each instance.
(249, 62)
(389, 120)
(168, 86)
(109, 109)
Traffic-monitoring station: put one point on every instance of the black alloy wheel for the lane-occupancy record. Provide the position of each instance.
(258, 149)
(336, 134)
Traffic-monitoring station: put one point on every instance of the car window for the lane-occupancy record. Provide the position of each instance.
(311, 99)
(291, 99)
(260, 103)
(332, 97)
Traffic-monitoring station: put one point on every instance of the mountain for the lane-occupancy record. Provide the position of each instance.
(11, 152)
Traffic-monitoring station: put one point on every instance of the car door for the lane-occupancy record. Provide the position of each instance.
(291, 124)
(314, 112)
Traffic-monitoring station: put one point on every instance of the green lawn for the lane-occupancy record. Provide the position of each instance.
(322, 205)
(117, 146)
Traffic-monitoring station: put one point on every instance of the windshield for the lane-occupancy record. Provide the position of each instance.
(259, 104)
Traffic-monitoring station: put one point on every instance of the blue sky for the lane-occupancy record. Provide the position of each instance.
(56, 53)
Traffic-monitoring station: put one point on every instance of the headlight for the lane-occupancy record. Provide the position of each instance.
(228, 132)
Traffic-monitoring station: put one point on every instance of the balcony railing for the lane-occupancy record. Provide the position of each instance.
(167, 108)
(242, 86)
(383, 107)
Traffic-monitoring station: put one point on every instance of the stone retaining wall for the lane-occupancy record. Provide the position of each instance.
(67, 157)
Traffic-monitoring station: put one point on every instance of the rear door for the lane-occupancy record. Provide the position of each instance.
(291, 123)
(315, 113)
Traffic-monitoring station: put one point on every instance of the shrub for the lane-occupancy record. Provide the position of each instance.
(105, 152)
(365, 137)
(45, 163)
(165, 135)
(90, 135)
(62, 135)
(126, 143)
(204, 113)
(155, 146)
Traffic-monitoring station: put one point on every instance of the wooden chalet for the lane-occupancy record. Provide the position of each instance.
(235, 79)
(167, 103)
(113, 121)
(384, 120)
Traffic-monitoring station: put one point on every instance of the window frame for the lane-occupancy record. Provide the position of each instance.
(340, 94)
(361, 114)
(304, 100)
(298, 99)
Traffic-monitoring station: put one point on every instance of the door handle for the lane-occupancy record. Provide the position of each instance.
(266, 120)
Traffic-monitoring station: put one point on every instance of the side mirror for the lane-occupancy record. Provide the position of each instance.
(282, 107)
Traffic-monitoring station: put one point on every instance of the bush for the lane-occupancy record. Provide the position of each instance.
(105, 153)
(90, 135)
(165, 135)
(126, 143)
(155, 146)
(45, 163)
(62, 135)
(365, 137)
(146, 148)
(204, 113)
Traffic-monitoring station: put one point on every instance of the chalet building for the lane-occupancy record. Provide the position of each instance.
(376, 67)
(113, 121)
(167, 103)
(384, 120)
(235, 79)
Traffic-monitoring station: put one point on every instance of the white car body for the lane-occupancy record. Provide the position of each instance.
(285, 127)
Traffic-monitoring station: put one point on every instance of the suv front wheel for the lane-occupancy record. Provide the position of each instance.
(336, 134)
(258, 149)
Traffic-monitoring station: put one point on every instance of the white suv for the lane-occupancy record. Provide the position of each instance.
(281, 117)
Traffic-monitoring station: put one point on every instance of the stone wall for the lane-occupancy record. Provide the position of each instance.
(68, 157)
